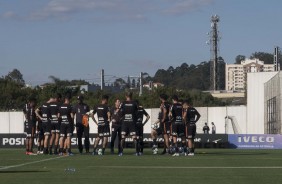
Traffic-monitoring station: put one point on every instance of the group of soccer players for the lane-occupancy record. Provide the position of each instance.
(53, 123)
(176, 120)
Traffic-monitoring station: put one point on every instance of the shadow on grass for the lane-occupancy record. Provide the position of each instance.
(21, 172)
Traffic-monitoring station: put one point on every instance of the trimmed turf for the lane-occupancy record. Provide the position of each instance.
(207, 166)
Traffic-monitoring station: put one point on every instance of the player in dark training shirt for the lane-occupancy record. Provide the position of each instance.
(29, 124)
(43, 113)
(177, 125)
(66, 116)
(191, 116)
(140, 126)
(55, 124)
(40, 135)
(116, 116)
(79, 110)
(104, 117)
(164, 121)
(129, 109)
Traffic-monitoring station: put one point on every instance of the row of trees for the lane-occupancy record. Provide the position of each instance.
(14, 94)
(187, 81)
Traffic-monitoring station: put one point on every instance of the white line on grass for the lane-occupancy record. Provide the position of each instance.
(28, 163)
(172, 167)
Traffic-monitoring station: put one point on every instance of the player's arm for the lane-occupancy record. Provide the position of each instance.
(37, 112)
(25, 112)
(93, 117)
(164, 113)
(109, 116)
(198, 116)
(184, 116)
(147, 117)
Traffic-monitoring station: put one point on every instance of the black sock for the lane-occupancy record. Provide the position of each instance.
(95, 149)
(136, 145)
(154, 141)
(122, 145)
(69, 150)
(56, 148)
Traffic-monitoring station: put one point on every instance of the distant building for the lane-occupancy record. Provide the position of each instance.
(93, 88)
(235, 74)
(152, 85)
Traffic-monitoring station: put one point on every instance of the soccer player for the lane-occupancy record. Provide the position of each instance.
(129, 109)
(206, 129)
(190, 116)
(30, 124)
(55, 124)
(104, 117)
(165, 123)
(177, 125)
(213, 128)
(155, 132)
(140, 126)
(66, 116)
(43, 113)
(80, 109)
(40, 136)
(116, 116)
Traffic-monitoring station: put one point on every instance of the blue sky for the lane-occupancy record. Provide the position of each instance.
(75, 39)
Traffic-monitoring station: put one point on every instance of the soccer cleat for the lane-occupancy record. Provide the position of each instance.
(61, 154)
(56, 153)
(140, 153)
(70, 154)
(120, 154)
(191, 154)
(26, 152)
(175, 155)
(31, 153)
(137, 154)
(94, 153)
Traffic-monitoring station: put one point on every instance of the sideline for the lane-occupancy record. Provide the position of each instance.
(171, 167)
(28, 163)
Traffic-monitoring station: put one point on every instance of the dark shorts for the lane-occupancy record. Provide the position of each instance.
(65, 130)
(128, 128)
(139, 130)
(165, 127)
(104, 130)
(190, 131)
(28, 128)
(46, 126)
(177, 129)
(55, 128)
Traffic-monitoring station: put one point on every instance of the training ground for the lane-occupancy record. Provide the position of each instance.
(207, 166)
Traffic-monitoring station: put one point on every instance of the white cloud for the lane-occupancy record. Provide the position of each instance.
(179, 7)
(117, 10)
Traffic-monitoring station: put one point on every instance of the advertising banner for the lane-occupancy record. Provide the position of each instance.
(255, 141)
(201, 141)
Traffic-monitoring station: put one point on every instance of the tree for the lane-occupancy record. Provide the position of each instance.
(263, 56)
(15, 76)
(239, 58)
(133, 83)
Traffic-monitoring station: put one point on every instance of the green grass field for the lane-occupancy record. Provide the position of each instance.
(207, 166)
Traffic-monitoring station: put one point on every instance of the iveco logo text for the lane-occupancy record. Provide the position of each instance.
(255, 139)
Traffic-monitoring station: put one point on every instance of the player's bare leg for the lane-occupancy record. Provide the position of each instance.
(96, 145)
(105, 142)
(52, 139)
